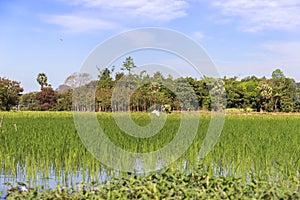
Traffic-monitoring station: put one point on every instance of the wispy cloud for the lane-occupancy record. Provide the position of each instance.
(102, 14)
(282, 49)
(260, 15)
(72, 23)
(157, 10)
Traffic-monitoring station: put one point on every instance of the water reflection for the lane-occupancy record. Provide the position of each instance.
(52, 177)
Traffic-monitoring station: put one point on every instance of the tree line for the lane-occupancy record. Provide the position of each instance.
(111, 92)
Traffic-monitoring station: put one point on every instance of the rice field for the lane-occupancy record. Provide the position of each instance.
(44, 148)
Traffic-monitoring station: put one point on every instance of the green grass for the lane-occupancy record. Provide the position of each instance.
(263, 146)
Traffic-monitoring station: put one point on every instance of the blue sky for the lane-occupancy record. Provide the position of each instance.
(242, 37)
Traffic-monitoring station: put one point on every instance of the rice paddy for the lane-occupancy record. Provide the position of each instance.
(44, 148)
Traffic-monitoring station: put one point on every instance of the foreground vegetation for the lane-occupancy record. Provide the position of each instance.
(256, 155)
(169, 185)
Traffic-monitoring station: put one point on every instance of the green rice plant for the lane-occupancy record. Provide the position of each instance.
(46, 145)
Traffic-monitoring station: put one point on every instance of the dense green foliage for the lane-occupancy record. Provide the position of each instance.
(277, 94)
(9, 93)
(40, 145)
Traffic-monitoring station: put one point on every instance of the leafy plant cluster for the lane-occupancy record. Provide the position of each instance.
(167, 185)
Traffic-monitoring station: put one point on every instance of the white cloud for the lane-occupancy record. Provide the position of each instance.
(157, 10)
(198, 35)
(259, 15)
(102, 14)
(73, 23)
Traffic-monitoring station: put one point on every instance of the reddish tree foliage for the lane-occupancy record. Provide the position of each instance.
(46, 98)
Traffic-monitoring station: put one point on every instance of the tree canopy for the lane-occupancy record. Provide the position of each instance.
(42, 80)
(10, 92)
(120, 91)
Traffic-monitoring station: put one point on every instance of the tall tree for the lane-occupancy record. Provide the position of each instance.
(9, 93)
(185, 94)
(105, 73)
(46, 97)
(234, 92)
(251, 94)
(203, 96)
(78, 79)
(28, 101)
(217, 93)
(64, 100)
(128, 64)
(104, 89)
(42, 80)
(266, 92)
(277, 78)
(277, 74)
(284, 90)
(297, 98)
